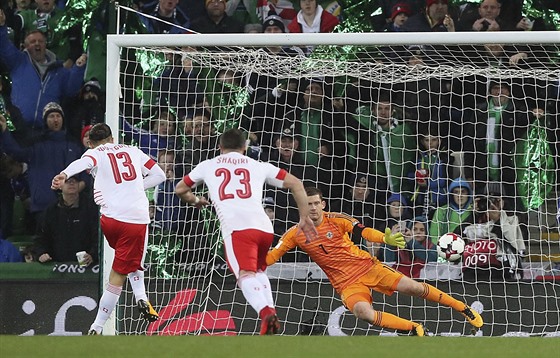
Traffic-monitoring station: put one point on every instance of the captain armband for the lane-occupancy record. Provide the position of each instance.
(357, 230)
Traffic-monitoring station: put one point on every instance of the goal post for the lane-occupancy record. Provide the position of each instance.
(187, 278)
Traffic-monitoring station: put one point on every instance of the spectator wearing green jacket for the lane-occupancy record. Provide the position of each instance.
(393, 145)
(455, 216)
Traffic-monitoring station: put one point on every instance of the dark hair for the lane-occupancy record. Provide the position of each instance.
(200, 112)
(311, 190)
(99, 132)
(232, 139)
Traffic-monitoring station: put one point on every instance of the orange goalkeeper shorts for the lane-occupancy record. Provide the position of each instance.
(380, 278)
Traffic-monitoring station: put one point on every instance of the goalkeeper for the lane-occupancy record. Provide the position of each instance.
(354, 272)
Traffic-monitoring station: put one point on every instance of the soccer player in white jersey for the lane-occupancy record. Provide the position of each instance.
(121, 174)
(235, 187)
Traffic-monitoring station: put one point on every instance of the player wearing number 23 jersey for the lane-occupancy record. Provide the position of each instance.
(235, 185)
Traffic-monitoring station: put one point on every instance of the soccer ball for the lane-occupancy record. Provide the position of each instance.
(450, 247)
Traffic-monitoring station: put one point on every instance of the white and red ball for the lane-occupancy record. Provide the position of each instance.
(450, 247)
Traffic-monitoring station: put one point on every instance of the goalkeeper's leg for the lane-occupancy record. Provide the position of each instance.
(363, 310)
(431, 293)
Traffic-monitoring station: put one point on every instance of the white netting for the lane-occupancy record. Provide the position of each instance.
(175, 101)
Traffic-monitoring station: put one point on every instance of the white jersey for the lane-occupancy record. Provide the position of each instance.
(235, 185)
(118, 188)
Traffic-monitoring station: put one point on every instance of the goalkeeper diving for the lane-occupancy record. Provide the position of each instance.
(353, 272)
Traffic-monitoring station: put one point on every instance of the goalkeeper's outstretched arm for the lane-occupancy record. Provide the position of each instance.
(373, 235)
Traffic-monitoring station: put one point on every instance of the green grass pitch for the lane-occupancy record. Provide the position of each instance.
(277, 346)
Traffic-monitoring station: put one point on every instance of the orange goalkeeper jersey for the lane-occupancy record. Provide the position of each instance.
(341, 260)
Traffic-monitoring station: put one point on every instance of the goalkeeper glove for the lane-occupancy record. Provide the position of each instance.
(394, 239)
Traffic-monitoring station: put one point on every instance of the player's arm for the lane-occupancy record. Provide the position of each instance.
(298, 191)
(373, 235)
(77, 166)
(285, 244)
(184, 191)
(153, 174)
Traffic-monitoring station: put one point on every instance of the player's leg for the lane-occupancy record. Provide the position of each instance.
(135, 240)
(108, 301)
(357, 298)
(431, 293)
(242, 256)
(270, 323)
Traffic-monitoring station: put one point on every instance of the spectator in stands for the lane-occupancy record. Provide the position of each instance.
(37, 77)
(435, 19)
(71, 225)
(169, 210)
(381, 21)
(488, 18)
(216, 20)
(169, 19)
(499, 238)
(177, 87)
(21, 5)
(431, 173)
(312, 18)
(418, 251)
(203, 143)
(51, 153)
(287, 155)
(14, 186)
(394, 148)
(496, 125)
(282, 8)
(227, 94)
(322, 143)
(399, 15)
(259, 84)
(456, 215)
(87, 109)
(397, 210)
(45, 18)
(8, 251)
(359, 202)
(265, 115)
(162, 133)
(279, 227)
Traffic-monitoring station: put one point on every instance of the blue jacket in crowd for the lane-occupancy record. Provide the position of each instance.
(30, 92)
(46, 158)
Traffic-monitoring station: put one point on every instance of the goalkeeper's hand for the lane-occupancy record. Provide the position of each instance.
(394, 239)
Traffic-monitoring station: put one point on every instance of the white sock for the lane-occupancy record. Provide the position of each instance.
(136, 280)
(263, 279)
(107, 304)
(253, 291)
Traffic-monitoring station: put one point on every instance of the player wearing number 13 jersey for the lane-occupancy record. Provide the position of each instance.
(121, 173)
(235, 186)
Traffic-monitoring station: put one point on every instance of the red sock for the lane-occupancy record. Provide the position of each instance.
(267, 311)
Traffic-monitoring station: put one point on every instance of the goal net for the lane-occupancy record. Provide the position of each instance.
(405, 131)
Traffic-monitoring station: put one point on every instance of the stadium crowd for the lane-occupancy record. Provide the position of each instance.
(424, 158)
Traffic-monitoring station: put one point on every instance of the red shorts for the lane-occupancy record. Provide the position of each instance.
(247, 249)
(129, 242)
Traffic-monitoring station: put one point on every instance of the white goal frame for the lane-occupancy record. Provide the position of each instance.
(116, 42)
